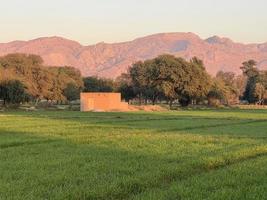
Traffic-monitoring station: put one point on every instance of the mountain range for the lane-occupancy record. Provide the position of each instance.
(110, 60)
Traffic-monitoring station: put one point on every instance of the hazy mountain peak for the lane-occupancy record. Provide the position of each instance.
(172, 35)
(218, 40)
(55, 40)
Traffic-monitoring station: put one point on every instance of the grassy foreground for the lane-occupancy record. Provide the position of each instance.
(171, 155)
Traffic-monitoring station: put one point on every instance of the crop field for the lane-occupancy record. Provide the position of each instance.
(209, 154)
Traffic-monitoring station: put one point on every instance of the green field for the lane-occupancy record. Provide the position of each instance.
(162, 155)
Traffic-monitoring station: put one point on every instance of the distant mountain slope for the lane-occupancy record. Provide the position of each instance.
(110, 60)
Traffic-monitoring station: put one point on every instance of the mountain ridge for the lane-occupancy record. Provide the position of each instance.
(112, 59)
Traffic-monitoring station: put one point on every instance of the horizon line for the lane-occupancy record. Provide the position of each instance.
(130, 40)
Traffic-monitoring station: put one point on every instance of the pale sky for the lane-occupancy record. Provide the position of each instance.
(92, 21)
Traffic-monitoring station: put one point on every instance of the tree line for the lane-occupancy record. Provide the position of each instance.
(166, 78)
(24, 78)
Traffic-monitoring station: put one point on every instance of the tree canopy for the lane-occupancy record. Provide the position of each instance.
(256, 86)
(40, 82)
(170, 77)
(96, 84)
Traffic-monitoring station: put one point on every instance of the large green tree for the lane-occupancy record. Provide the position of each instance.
(171, 77)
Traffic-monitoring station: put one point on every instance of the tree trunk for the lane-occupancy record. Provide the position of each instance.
(146, 101)
(154, 100)
(36, 101)
(140, 100)
(170, 104)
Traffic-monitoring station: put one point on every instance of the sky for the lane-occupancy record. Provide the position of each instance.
(93, 21)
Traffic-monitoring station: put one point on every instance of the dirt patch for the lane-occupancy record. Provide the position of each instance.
(252, 107)
(147, 108)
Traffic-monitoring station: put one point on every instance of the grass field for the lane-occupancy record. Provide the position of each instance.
(163, 155)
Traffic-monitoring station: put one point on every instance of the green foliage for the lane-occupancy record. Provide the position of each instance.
(198, 83)
(228, 86)
(260, 93)
(170, 77)
(61, 78)
(13, 92)
(71, 92)
(124, 85)
(256, 82)
(41, 82)
(218, 93)
(249, 68)
(95, 84)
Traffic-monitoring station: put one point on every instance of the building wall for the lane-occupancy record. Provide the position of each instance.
(102, 102)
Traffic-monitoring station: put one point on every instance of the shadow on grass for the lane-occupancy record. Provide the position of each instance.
(166, 122)
(115, 173)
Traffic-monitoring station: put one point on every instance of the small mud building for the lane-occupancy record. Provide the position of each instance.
(102, 102)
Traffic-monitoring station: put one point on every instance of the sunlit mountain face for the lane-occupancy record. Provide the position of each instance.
(110, 60)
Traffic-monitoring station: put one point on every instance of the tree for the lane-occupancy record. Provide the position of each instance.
(2, 73)
(95, 84)
(249, 69)
(63, 77)
(218, 93)
(146, 81)
(198, 85)
(230, 87)
(71, 92)
(240, 85)
(21, 64)
(256, 87)
(153, 90)
(41, 82)
(170, 77)
(73, 75)
(259, 93)
(182, 80)
(252, 74)
(124, 86)
(13, 92)
(27, 69)
(137, 73)
(227, 77)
